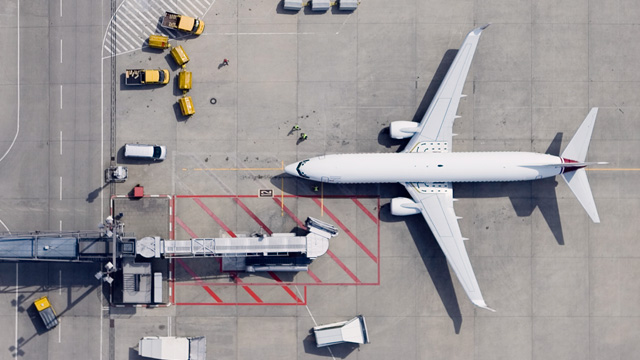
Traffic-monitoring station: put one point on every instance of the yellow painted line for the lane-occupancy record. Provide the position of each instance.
(238, 169)
(321, 199)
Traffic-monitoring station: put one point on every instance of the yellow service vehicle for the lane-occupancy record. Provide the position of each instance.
(179, 55)
(144, 77)
(46, 312)
(159, 42)
(184, 80)
(183, 23)
(186, 106)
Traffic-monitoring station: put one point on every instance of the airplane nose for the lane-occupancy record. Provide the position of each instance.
(291, 169)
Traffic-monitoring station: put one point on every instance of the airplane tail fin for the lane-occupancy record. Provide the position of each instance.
(575, 175)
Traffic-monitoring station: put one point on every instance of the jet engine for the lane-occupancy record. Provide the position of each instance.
(403, 129)
(402, 207)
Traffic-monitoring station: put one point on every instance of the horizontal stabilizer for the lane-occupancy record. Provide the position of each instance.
(578, 146)
(578, 183)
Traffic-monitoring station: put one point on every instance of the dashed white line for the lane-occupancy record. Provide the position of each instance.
(60, 94)
(60, 225)
(60, 51)
(59, 333)
(60, 187)
(60, 8)
(60, 142)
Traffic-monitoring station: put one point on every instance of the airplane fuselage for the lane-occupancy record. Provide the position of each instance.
(427, 167)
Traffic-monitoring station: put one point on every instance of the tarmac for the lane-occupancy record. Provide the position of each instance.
(562, 287)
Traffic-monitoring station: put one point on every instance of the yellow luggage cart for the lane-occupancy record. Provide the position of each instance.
(159, 42)
(186, 106)
(179, 55)
(46, 312)
(184, 80)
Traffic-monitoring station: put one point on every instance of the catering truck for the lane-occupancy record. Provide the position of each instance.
(183, 23)
(144, 77)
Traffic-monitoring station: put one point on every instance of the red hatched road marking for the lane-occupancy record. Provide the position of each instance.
(290, 213)
(286, 288)
(347, 231)
(199, 281)
(364, 209)
(253, 216)
(313, 276)
(343, 266)
(185, 227)
(246, 288)
(254, 304)
(214, 217)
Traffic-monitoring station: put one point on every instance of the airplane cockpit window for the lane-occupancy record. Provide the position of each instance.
(302, 174)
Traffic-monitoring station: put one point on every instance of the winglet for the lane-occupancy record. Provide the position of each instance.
(478, 30)
(481, 304)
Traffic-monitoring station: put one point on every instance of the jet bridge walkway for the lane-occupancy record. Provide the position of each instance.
(274, 249)
(60, 246)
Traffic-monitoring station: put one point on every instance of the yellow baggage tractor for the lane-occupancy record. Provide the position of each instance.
(179, 55)
(186, 106)
(184, 80)
(159, 42)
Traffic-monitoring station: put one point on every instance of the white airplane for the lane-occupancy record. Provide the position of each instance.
(427, 167)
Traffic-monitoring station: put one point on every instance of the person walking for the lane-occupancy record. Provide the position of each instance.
(303, 136)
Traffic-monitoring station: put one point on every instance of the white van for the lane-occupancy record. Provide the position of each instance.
(154, 152)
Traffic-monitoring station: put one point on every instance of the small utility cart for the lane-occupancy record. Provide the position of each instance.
(46, 312)
(159, 42)
(116, 174)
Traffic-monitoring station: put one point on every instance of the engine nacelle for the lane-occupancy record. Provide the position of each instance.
(403, 129)
(402, 207)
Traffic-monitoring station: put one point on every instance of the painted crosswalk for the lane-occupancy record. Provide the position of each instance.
(135, 20)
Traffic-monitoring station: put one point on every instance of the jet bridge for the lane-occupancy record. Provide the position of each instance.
(62, 246)
(276, 245)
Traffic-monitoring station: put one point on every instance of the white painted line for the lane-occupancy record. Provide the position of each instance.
(17, 85)
(60, 8)
(312, 318)
(60, 332)
(168, 325)
(60, 276)
(61, 138)
(60, 187)
(5, 226)
(60, 225)
(60, 51)
(60, 95)
(16, 327)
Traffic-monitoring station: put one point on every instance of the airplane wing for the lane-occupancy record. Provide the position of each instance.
(436, 204)
(437, 123)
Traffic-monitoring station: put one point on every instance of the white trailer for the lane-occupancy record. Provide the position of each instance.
(174, 348)
(352, 331)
